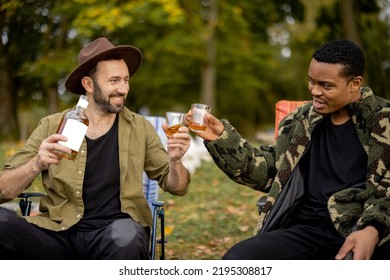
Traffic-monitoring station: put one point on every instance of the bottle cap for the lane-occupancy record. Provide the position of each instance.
(83, 101)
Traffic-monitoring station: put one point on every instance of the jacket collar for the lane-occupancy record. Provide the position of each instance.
(351, 108)
(127, 114)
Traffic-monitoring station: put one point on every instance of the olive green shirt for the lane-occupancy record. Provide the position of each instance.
(140, 149)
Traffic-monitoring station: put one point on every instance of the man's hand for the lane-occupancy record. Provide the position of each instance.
(178, 144)
(361, 242)
(214, 127)
(46, 153)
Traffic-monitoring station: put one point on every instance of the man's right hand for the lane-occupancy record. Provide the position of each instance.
(46, 153)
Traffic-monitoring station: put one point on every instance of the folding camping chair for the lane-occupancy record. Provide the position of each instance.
(151, 192)
(282, 109)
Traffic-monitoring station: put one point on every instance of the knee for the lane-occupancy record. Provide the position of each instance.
(128, 239)
(126, 231)
(228, 256)
(232, 254)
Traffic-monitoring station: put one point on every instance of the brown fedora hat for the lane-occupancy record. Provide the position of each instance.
(97, 51)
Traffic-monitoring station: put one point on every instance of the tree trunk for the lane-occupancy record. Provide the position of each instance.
(8, 113)
(209, 70)
(350, 13)
(53, 99)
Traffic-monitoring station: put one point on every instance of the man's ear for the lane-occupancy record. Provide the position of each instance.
(356, 83)
(87, 83)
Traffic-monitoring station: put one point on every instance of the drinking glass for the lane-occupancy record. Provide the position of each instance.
(199, 113)
(175, 120)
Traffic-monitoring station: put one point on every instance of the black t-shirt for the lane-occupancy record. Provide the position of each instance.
(335, 161)
(101, 182)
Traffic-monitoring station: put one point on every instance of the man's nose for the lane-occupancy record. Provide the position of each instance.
(123, 87)
(315, 91)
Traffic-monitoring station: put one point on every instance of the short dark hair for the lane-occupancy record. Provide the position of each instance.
(342, 52)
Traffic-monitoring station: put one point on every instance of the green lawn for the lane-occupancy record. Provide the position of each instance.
(214, 215)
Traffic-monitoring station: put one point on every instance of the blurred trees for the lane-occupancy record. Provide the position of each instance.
(239, 56)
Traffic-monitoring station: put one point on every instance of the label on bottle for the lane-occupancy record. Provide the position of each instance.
(75, 132)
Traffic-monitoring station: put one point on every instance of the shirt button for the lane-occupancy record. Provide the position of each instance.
(77, 192)
(78, 215)
(80, 172)
(63, 228)
(82, 151)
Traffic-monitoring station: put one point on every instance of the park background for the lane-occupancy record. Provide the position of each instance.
(240, 57)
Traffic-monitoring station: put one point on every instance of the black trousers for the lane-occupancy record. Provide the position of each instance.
(313, 239)
(122, 239)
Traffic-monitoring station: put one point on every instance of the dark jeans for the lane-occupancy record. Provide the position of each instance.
(122, 239)
(313, 240)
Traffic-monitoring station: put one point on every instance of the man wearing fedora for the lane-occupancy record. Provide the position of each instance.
(94, 207)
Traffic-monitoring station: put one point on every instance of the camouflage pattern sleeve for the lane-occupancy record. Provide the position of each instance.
(243, 163)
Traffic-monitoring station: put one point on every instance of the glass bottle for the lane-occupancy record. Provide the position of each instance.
(74, 125)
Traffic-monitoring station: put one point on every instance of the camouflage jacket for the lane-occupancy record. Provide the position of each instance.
(269, 168)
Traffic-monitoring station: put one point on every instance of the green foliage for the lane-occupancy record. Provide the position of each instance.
(41, 40)
(371, 30)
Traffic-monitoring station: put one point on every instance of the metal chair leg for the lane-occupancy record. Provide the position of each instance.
(158, 213)
(25, 202)
(162, 241)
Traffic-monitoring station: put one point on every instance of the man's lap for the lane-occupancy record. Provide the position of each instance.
(27, 241)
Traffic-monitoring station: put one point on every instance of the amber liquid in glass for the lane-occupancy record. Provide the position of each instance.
(173, 129)
(196, 127)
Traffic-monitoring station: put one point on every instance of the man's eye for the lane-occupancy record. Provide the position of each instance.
(327, 86)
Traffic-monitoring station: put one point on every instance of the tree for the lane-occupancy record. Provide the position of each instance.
(359, 21)
(208, 70)
(239, 56)
(8, 112)
(33, 58)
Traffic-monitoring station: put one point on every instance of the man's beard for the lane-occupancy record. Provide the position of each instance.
(105, 104)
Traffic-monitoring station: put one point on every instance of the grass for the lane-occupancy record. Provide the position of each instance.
(215, 214)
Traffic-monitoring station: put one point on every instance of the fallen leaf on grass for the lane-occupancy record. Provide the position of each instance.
(244, 228)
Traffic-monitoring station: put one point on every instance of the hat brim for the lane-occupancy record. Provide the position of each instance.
(131, 55)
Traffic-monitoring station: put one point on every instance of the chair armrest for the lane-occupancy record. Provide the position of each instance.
(25, 202)
(30, 194)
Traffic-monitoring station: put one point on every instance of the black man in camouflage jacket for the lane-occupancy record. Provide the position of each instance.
(327, 176)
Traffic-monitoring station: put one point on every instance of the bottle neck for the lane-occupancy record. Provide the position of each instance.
(80, 109)
(82, 103)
